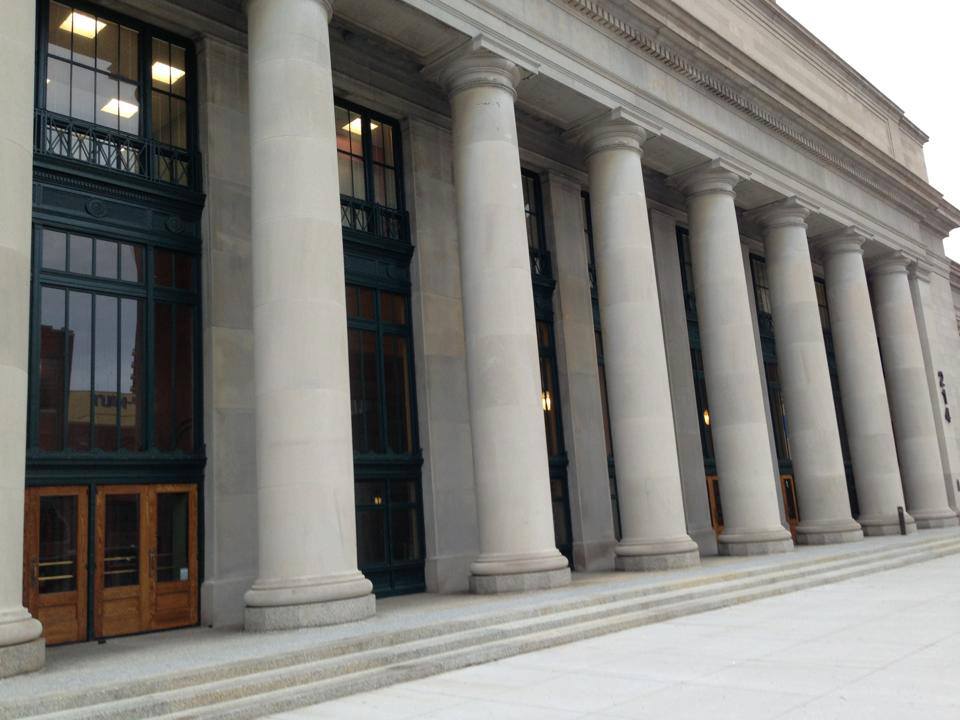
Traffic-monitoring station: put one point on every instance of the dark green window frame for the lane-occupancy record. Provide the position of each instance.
(598, 340)
(152, 294)
(84, 145)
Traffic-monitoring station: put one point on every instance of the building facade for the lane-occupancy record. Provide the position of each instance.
(305, 303)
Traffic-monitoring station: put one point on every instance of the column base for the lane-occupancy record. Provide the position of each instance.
(843, 531)
(929, 519)
(317, 614)
(757, 542)
(22, 658)
(883, 525)
(652, 556)
(519, 582)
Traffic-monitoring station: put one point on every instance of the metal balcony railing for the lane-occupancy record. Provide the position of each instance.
(375, 220)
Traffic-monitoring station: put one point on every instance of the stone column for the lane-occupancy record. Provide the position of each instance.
(306, 518)
(805, 377)
(21, 647)
(517, 550)
(862, 390)
(748, 487)
(905, 372)
(641, 415)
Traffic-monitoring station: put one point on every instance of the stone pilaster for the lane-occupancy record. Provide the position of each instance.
(805, 377)
(306, 515)
(733, 374)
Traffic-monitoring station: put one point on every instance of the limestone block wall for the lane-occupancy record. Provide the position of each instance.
(230, 492)
(449, 497)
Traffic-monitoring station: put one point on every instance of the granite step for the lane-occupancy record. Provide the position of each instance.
(244, 689)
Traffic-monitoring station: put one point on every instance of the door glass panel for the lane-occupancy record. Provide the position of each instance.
(371, 537)
(57, 562)
(404, 538)
(121, 532)
(173, 537)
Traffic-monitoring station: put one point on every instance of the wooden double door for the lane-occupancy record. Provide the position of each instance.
(141, 574)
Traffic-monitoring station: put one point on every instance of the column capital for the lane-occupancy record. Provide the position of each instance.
(719, 175)
(782, 213)
(614, 129)
(480, 61)
(890, 263)
(921, 269)
(848, 239)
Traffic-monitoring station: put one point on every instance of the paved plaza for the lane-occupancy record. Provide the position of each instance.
(880, 646)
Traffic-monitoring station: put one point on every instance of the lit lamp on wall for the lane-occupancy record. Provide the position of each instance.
(706, 417)
(546, 401)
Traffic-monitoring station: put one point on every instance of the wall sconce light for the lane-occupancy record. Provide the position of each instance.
(706, 417)
(546, 401)
(377, 500)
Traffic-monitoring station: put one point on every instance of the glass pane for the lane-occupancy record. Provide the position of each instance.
(342, 121)
(54, 250)
(371, 537)
(81, 254)
(173, 537)
(106, 259)
(178, 123)
(364, 391)
(183, 377)
(131, 263)
(359, 181)
(131, 373)
(161, 117)
(388, 158)
(163, 382)
(163, 268)
(59, 30)
(379, 187)
(390, 181)
(183, 271)
(129, 63)
(57, 560)
(106, 401)
(109, 109)
(367, 303)
(549, 406)
(353, 302)
(404, 537)
(121, 540)
(85, 31)
(129, 114)
(393, 308)
(369, 492)
(58, 86)
(376, 141)
(108, 40)
(178, 71)
(160, 64)
(52, 371)
(79, 342)
(82, 95)
(396, 378)
(344, 169)
(403, 491)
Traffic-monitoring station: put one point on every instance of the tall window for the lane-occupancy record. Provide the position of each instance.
(387, 458)
(116, 341)
(543, 286)
(116, 94)
(598, 339)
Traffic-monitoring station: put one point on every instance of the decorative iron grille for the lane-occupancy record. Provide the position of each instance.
(371, 219)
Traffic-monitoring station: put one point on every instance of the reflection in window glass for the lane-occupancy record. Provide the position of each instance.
(106, 259)
(396, 380)
(364, 391)
(183, 377)
(121, 551)
(81, 255)
(173, 537)
(80, 366)
(105, 398)
(163, 376)
(54, 250)
(53, 351)
(131, 374)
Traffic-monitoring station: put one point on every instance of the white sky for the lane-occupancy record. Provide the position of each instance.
(909, 52)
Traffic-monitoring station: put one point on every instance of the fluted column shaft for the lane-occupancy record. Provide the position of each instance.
(866, 410)
(905, 373)
(307, 529)
(517, 549)
(738, 417)
(21, 647)
(802, 364)
(641, 415)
